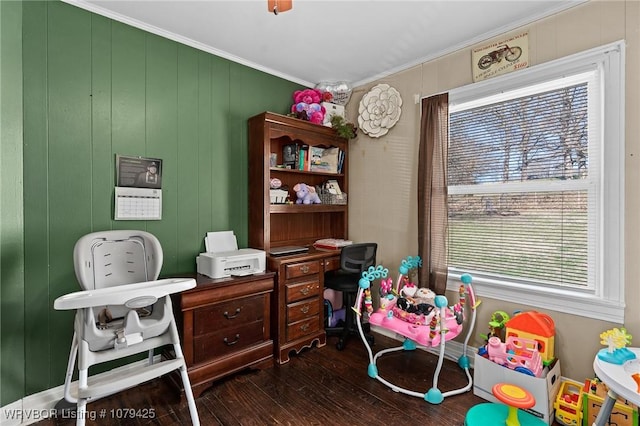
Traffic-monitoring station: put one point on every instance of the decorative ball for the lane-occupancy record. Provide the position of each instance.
(275, 183)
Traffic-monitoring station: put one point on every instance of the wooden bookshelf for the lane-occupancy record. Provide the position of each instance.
(275, 225)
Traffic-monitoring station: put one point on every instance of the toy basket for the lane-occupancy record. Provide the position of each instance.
(278, 196)
(327, 198)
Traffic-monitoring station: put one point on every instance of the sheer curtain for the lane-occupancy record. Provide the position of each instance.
(432, 192)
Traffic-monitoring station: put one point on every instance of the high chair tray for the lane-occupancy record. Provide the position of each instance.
(123, 294)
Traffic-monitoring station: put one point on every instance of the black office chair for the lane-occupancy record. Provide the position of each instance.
(354, 259)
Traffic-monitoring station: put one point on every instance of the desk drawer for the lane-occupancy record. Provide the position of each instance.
(227, 341)
(228, 314)
(301, 310)
(302, 328)
(332, 263)
(303, 290)
(296, 270)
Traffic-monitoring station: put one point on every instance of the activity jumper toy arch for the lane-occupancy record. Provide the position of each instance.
(420, 316)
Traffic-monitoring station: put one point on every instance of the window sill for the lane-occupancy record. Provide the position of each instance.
(585, 305)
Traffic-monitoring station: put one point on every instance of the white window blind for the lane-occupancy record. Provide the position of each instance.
(520, 182)
(535, 201)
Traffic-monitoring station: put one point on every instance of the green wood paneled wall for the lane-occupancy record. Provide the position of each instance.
(12, 292)
(94, 88)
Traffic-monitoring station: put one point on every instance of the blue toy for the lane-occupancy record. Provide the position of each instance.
(515, 400)
(306, 194)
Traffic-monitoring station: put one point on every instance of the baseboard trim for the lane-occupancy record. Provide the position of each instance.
(40, 406)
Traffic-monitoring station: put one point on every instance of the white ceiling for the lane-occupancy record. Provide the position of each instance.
(356, 41)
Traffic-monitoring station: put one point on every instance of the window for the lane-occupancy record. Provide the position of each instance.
(536, 184)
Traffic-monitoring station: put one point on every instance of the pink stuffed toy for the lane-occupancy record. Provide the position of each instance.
(308, 96)
(306, 194)
(307, 105)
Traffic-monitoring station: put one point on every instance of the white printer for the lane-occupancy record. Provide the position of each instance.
(224, 259)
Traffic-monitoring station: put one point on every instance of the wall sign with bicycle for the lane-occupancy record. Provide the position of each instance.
(500, 57)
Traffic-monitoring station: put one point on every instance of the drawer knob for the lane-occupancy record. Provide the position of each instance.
(228, 343)
(304, 269)
(304, 309)
(305, 290)
(227, 316)
(304, 327)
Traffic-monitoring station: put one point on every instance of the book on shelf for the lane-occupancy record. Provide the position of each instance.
(340, 161)
(303, 157)
(327, 161)
(315, 154)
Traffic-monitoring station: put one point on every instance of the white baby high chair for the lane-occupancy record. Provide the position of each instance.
(123, 310)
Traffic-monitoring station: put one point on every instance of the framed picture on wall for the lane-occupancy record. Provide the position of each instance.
(138, 172)
(138, 192)
(500, 57)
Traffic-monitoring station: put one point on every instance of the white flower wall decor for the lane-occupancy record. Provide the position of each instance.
(379, 110)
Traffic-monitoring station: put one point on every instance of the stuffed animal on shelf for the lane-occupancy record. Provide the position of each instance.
(306, 194)
(307, 105)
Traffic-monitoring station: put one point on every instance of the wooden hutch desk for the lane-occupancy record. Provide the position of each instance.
(298, 313)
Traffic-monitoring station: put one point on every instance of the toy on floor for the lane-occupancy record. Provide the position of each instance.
(594, 394)
(516, 353)
(492, 414)
(535, 326)
(568, 403)
(496, 325)
(410, 311)
(418, 315)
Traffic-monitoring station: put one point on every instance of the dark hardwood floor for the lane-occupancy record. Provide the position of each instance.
(320, 386)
